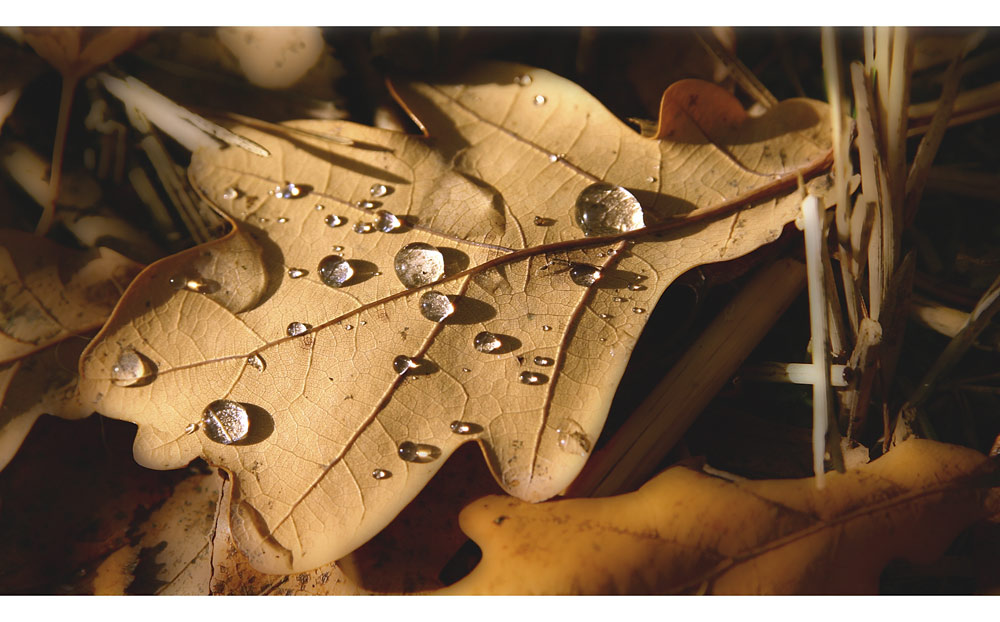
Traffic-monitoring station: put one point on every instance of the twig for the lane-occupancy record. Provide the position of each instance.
(744, 77)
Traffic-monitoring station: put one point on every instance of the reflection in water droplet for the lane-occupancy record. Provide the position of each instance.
(435, 306)
(282, 220)
(367, 204)
(378, 190)
(463, 427)
(638, 310)
(191, 428)
(584, 274)
(619, 299)
(296, 328)
(332, 220)
(546, 328)
(418, 452)
(191, 284)
(257, 362)
(543, 361)
(539, 100)
(230, 193)
(402, 364)
(381, 474)
(554, 157)
(523, 79)
(486, 342)
(296, 273)
(335, 271)
(530, 377)
(572, 439)
(288, 191)
(320, 207)
(650, 179)
(337, 248)
(348, 327)
(364, 227)
(418, 264)
(635, 287)
(604, 316)
(129, 369)
(386, 221)
(603, 209)
(225, 421)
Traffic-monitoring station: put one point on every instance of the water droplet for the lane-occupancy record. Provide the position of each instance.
(435, 306)
(522, 80)
(530, 377)
(418, 264)
(619, 299)
(612, 252)
(603, 209)
(333, 220)
(539, 100)
(297, 273)
(402, 364)
(257, 362)
(320, 207)
(282, 220)
(546, 327)
(378, 190)
(486, 342)
(381, 474)
(466, 369)
(572, 439)
(604, 316)
(464, 427)
(335, 271)
(635, 287)
(225, 421)
(191, 284)
(348, 327)
(386, 221)
(364, 227)
(367, 204)
(362, 322)
(553, 157)
(541, 221)
(337, 248)
(296, 328)
(638, 310)
(230, 193)
(543, 361)
(584, 274)
(651, 179)
(191, 428)
(129, 369)
(418, 452)
(288, 191)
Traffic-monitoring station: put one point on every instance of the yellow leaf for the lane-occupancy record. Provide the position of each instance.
(685, 531)
(341, 430)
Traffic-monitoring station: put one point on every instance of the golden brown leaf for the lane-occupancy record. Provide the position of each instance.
(685, 531)
(494, 187)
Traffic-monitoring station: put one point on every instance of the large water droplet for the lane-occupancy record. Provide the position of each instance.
(418, 264)
(287, 191)
(543, 361)
(603, 209)
(584, 274)
(386, 221)
(435, 306)
(402, 364)
(129, 369)
(486, 342)
(335, 271)
(464, 427)
(530, 377)
(296, 328)
(418, 452)
(297, 273)
(257, 362)
(572, 439)
(378, 190)
(333, 220)
(381, 474)
(225, 421)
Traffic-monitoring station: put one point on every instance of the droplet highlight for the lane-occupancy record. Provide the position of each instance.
(257, 362)
(386, 222)
(230, 193)
(435, 306)
(543, 361)
(486, 342)
(522, 80)
(417, 452)
(464, 427)
(378, 190)
(296, 273)
(366, 204)
(546, 328)
(572, 439)
(418, 264)
(638, 310)
(129, 369)
(603, 209)
(530, 377)
(335, 271)
(225, 421)
(191, 284)
(332, 220)
(296, 328)
(287, 191)
(381, 474)
(364, 227)
(584, 274)
(540, 100)
(402, 364)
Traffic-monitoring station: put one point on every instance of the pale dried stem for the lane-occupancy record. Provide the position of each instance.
(967, 102)
(870, 165)
(658, 423)
(58, 149)
(973, 184)
(740, 72)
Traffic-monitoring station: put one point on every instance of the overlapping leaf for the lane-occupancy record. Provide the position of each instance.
(494, 186)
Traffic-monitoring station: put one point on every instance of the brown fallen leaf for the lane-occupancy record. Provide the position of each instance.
(349, 393)
(685, 531)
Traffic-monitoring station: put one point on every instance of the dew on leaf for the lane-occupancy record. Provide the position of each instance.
(543, 361)
(364, 227)
(486, 342)
(635, 287)
(378, 190)
(530, 377)
(335, 271)
(435, 306)
(230, 193)
(584, 274)
(381, 474)
(402, 364)
(546, 327)
(603, 209)
(296, 328)
(191, 284)
(366, 204)
(296, 273)
(332, 220)
(129, 369)
(572, 439)
(287, 191)
(638, 310)
(386, 222)
(418, 264)
(522, 79)
(282, 220)
(257, 362)
(542, 221)
(464, 427)
(225, 421)
(418, 452)
(540, 99)
(191, 428)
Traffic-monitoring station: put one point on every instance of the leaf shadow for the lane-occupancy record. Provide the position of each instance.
(470, 311)
(261, 425)
(363, 270)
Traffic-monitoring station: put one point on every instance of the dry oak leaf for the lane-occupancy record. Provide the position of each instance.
(343, 433)
(48, 294)
(685, 531)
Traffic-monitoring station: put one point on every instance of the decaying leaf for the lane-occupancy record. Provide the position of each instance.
(685, 531)
(76, 51)
(343, 393)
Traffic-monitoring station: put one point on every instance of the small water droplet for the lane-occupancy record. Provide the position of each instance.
(464, 427)
(337, 248)
(604, 316)
(435, 306)
(466, 369)
(362, 322)
(366, 204)
(619, 299)
(522, 80)
(288, 191)
(418, 264)
(364, 227)
(530, 377)
(225, 421)
(612, 252)
(348, 327)
(282, 220)
(543, 361)
(333, 220)
(572, 439)
(546, 328)
(553, 157)
(381, 474)
(129, 369)
(191, 284)
(635, 287)
(378, 190)
(386, 222)
(402, 364)
(230, 193)
(261, 219)
(296, 328)
(542, 221)
(320, 207)
(486, 342)
(539, 100)
(603, 209)
(418, 452)
(638, 310)
(191, 428)
(335, 271)
(296, 273)
(257, 362)
(584, 274)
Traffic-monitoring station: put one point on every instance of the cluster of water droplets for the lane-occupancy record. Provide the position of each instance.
(286, 191)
